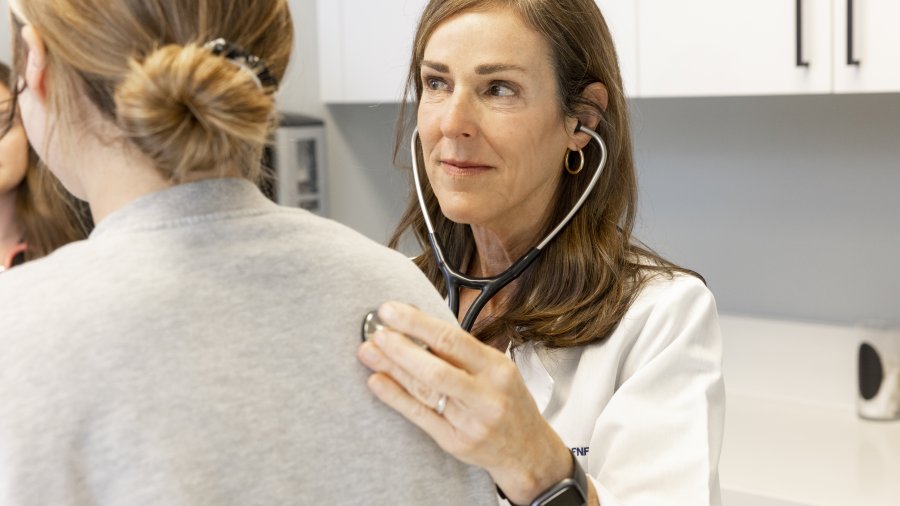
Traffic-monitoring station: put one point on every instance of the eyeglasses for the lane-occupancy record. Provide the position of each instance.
(7, 117)
(8, 108)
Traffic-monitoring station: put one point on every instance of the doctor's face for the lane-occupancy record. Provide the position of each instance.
(492, 130)
(13, 148)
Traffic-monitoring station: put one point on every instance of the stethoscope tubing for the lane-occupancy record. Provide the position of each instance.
(490, 286)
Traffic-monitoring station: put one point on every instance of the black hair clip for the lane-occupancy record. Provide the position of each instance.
(252, 63)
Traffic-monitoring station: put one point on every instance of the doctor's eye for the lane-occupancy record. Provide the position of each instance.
(435, 83)
(501, 89)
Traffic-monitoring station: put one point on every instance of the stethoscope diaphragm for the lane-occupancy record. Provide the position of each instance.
(372, 324)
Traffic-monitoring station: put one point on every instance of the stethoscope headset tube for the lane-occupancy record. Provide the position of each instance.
(490, 286)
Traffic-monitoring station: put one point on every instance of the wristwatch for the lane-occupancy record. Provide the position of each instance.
(571, 491)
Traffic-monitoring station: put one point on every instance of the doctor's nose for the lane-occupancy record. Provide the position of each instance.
(458, 118)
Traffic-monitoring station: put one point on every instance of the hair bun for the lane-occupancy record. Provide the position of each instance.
(191, 111)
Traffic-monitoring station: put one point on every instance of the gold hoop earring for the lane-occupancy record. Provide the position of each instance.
(580, 162)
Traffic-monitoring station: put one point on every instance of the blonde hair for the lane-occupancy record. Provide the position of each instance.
(581, 286)
(144, 66)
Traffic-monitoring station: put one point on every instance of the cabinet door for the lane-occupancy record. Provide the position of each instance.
(734, 47)
(364, 48)
(621, 17)
(866, 52)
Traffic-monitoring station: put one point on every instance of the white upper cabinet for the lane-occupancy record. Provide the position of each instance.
(866, 51)
(365, 47)
(621, 17)
(674, 48)
(734, 47)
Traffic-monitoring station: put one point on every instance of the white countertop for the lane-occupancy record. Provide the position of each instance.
(808, 454)
(792, 436)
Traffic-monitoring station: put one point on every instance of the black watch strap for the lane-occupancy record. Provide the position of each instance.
(571, 491)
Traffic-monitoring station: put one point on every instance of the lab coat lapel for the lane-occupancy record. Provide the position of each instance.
(537, 379)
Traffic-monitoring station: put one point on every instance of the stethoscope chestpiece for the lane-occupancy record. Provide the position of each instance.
(371, 324)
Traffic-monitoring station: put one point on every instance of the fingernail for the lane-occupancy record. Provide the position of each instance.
(387, 311)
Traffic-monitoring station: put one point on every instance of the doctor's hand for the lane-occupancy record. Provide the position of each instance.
(488, 418)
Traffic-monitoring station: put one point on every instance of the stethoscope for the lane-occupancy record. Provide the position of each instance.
(488, 287)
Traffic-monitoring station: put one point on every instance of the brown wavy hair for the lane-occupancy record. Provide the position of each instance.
(46, 213)
(144, 65)
(580, 287)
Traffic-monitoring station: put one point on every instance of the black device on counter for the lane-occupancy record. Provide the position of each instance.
(878, 368)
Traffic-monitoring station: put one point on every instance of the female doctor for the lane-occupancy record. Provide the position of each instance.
(595, 377)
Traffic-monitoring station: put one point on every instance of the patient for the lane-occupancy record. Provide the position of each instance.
(199, 347)
(36, 215)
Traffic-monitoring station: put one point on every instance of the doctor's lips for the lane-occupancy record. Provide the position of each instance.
(461, 167)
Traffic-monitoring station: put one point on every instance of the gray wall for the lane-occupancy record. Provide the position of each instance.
(788, 205)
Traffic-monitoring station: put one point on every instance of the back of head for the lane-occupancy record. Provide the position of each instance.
(147, 66)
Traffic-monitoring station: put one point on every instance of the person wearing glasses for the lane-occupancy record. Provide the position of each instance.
(37, 216)
(198, 347)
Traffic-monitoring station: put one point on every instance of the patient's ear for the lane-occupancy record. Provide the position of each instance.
(36, 62)
(598, 94)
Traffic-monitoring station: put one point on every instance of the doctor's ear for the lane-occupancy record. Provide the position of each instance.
(36, 62)
(598, 94)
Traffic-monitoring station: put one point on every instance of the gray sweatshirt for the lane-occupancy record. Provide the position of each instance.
(199, 349)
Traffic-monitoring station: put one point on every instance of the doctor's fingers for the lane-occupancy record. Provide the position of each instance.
(465, 408)
(415, 368)
(500, 384)
(373, 358)
(443, 338)
(438, 427)
(459, 431)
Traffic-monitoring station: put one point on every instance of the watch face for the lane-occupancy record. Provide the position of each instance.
(569, 496)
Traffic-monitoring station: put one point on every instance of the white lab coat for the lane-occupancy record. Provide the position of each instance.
(644, 410)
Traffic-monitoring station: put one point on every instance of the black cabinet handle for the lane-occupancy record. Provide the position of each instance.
(851, 60)
(800, 61)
